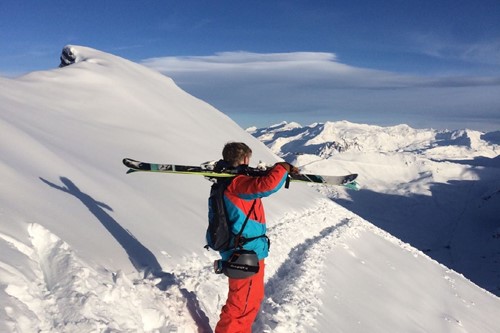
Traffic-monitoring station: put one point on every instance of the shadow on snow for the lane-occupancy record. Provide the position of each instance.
(143, 260)
(457, 224)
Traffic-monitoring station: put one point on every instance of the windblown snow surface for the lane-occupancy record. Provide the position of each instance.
(85, 247)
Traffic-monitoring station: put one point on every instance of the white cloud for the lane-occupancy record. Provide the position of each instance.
(315, 86)
(296, 68)
(242, 57)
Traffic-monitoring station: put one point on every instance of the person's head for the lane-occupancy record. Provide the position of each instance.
(236, 153)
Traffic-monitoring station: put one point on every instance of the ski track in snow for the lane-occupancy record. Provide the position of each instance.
(296, 280)
(68, 295)
(300, 241)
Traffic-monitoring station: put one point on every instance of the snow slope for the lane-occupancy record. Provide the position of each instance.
(437, 190)
(86, 248)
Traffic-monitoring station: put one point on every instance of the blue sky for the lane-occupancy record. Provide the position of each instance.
(425, 63)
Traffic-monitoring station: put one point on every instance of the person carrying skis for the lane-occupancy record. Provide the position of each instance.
(243, 202)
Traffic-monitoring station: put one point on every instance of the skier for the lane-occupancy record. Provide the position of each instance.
(246, 294)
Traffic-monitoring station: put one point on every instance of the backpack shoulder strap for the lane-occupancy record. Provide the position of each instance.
(238, 236)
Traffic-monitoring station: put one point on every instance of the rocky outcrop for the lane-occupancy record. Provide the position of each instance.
(68, 57)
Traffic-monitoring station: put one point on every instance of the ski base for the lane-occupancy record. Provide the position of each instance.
(134, 166)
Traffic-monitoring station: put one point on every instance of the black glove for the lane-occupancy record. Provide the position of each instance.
(289, 168)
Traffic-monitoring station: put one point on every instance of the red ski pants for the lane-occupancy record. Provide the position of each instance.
(243, 303)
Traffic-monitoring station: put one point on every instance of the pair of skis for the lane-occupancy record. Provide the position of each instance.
(206, 170)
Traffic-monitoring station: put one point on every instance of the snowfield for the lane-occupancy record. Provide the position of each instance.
(437, 190)
(85, 247)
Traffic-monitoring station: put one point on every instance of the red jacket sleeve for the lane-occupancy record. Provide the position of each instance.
(248, 187)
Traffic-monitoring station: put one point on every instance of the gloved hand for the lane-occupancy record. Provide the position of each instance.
(290, 168)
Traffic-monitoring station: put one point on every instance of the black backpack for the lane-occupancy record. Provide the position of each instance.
(219, 235)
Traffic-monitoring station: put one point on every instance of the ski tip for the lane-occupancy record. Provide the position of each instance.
(130, 162)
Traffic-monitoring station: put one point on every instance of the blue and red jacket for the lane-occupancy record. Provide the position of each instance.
(239, 197)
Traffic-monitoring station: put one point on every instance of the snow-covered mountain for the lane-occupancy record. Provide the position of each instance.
(439, 190)
(328, 139)
(86, 248)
